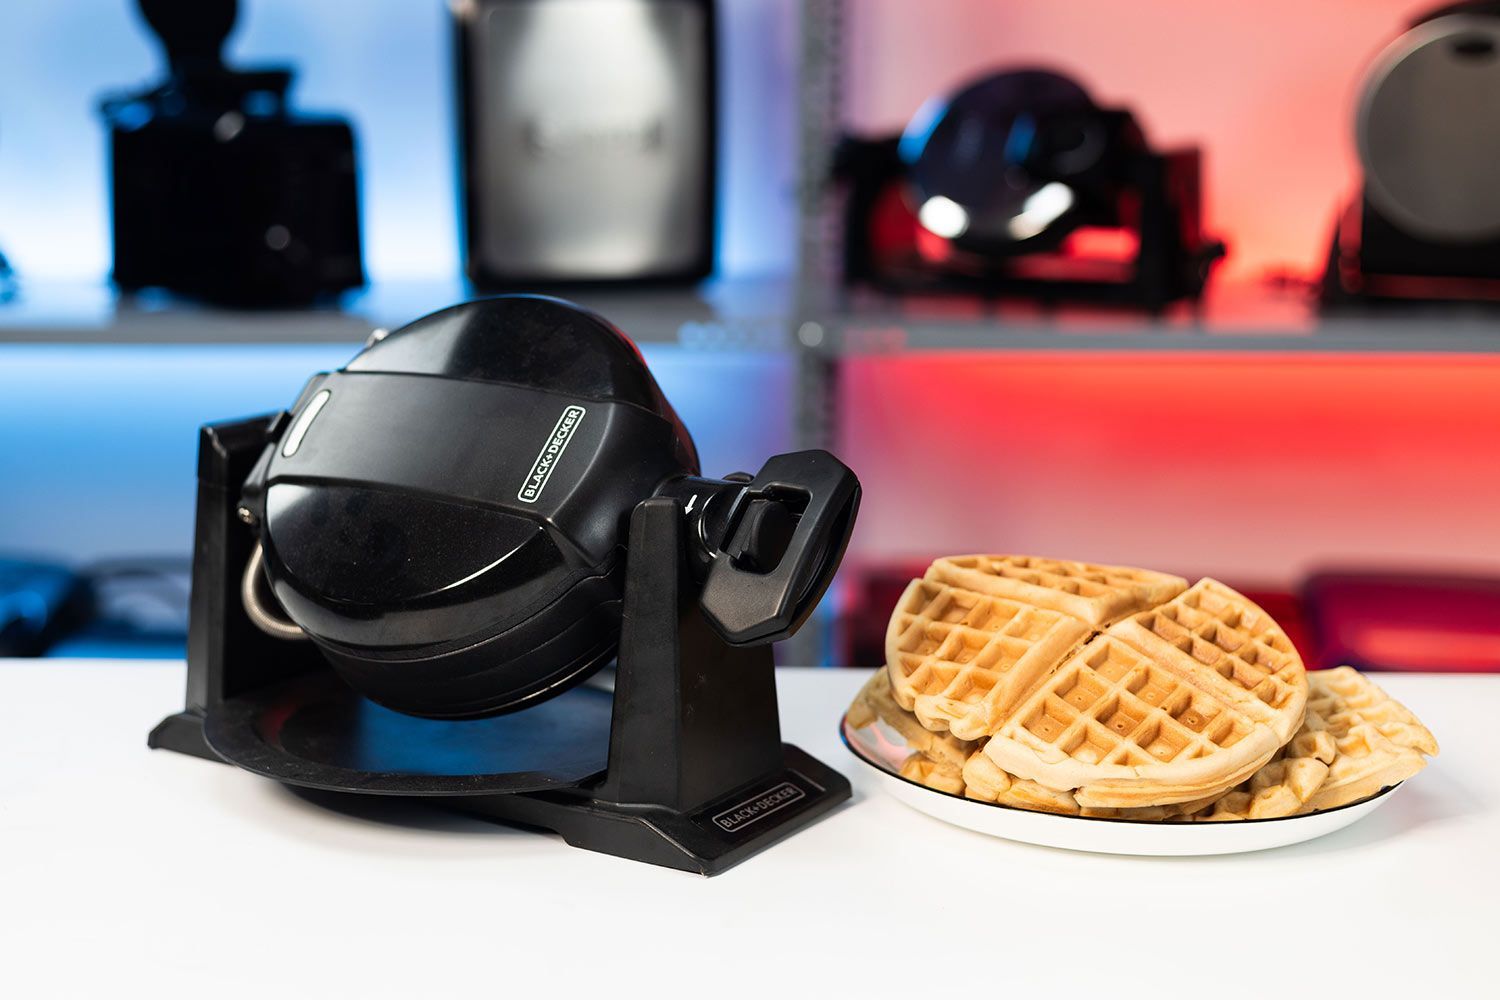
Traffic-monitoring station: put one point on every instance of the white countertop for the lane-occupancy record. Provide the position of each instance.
(126, 871)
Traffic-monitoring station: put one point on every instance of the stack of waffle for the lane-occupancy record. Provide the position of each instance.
(1093, 690)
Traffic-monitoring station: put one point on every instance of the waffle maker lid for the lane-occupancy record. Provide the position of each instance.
(1000, 164)
(445, 516)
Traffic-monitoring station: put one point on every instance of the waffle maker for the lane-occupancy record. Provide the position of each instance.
(1425, 225)
(1019, 183)
(401, 584)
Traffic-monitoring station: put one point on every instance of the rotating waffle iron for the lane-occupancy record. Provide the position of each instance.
(401, 583)
(1425, 225)
(1018, 183)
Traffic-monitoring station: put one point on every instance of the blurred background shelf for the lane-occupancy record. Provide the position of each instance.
(1251, 439)
(756, 314)
(728, 313)
(1234, 319)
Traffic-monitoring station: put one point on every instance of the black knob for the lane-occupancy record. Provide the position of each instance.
(786, 543)
(764, 533)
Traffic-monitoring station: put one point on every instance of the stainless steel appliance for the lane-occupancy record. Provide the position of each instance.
(587, 129)
(1426, 225)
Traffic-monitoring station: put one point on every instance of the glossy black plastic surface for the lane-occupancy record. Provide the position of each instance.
(755, 601)
(220, 191)
(446, 515)
(316, 732)
(694, 774)
(1024, 155)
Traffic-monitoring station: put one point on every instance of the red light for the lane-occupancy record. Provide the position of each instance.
(1099, 243)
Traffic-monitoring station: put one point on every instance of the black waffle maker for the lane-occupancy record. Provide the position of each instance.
(401, 584)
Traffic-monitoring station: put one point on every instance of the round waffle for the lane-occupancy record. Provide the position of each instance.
(1354, 741)
(1122, 687)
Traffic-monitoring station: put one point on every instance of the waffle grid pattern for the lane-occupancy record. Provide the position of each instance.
(1345, 699)
(1284, 785)
(952, 653)
(1082, 579)
(1240, 643)
(1355, 740)
(1096, 594)
(1380, 742)
(1111, 705)
(1185, 695)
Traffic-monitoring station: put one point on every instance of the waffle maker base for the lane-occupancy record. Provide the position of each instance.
(692, 775)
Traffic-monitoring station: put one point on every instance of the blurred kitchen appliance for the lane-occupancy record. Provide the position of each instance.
(1426, 223)
(220, 192)
(39, 604)
(588, 135)
(1404, 621)
(1020, 184)
(400, 585)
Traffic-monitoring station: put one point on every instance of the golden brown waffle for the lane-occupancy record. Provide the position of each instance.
(1380, 742)
(1257, 666)
(961, 660)
(934, 774)
(1177, 703)
(1354, 741)
(986, 782)
(1122, 729)
(1104, 690)
(874, 702)
(1284, 785)
(942, 762)
(1093, 594)
(1182, 700)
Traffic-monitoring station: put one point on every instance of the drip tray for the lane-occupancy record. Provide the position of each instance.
(316, 732)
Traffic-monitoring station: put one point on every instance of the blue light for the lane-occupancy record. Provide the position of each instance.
(919, 130)
(386, 65)
(1021, 138)
(98, 443)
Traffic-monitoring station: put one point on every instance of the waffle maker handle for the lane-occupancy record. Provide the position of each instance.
(761, 585)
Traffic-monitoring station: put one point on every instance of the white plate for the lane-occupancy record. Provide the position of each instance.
(884, 751)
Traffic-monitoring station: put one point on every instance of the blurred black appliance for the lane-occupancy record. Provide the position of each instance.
(39, 604)
(1404, 621)
(588, 135)
(400, 584)
(1019, 184)
(219, 191)
(1425, 226)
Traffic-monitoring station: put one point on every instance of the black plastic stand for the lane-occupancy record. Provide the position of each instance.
(683, 766)
(1374, 262)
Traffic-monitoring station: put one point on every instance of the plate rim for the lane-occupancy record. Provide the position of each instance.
(1155, 823)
